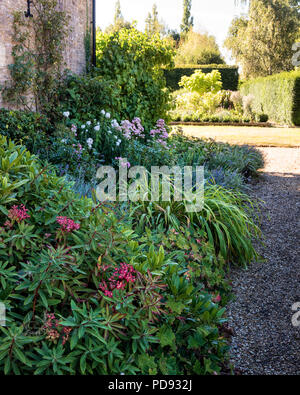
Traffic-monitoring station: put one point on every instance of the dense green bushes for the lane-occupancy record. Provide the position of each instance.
(230, 75)
(48, 141)
(115, 289)
(278, 96)
(29, 127)
(132, 60)
(86, 293)
(84, 97)
(202, 99)
(78, 148)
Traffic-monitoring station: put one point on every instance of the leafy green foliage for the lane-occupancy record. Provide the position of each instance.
(133, 61)
(164, 318)
(55, 144)
(85, 96)
(202, 83)
(227, 215)
(27, 127)
(225, 218)
(198, 48)
(230, 75)
(38, 56)
(278, 96)
(262, 41)
(219, 107)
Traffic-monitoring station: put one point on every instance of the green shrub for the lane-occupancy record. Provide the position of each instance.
(133, 60)
(262, 118)
(201, 83)
(230, 75)
(278, 96)
(29, 127)
(217, 117)
(52, 143)
(86, 294)
(85, 96)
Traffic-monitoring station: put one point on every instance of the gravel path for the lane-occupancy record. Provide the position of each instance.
(265, 341)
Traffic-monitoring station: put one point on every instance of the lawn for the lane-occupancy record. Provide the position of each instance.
(259, 136)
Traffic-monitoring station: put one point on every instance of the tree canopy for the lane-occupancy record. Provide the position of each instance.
(153, 25)
(119, 21)
(262, 42)
(187, 20)
(198, 48)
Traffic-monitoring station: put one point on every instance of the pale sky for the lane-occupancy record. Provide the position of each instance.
(212, 16)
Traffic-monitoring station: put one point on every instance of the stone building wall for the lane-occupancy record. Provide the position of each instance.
(80, 12)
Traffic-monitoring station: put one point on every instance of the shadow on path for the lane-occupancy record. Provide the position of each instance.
(265, 340)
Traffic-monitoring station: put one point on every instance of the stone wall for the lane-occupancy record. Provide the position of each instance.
(80, 12)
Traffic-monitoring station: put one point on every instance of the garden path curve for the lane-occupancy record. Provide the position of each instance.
(265, 341)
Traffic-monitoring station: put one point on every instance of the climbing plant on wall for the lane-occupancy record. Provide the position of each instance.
(38, 56)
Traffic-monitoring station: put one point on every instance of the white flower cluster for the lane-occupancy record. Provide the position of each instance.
(90, 142)
(105, 114)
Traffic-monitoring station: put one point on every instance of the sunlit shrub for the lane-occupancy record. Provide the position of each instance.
(201, 82)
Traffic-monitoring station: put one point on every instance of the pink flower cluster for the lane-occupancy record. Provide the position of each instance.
(122, 275)
(217, 299)
(54, 330)
(78, 150)
(67, 225)
(123, 162)
(132, 129)
(74, 129)
(18, 213)
(160, 132)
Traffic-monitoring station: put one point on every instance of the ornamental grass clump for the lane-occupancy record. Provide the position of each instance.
(227, 218)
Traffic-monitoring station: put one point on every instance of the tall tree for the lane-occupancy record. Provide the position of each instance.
(118, 13)
(187, 20)
(262, 42)
(198, 48)
(152, 23)
(119, 21)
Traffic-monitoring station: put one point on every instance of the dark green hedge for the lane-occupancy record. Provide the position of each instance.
(278, 96)
(230, 75)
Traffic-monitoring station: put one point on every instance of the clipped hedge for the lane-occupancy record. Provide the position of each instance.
(230, 75)
(278, 96)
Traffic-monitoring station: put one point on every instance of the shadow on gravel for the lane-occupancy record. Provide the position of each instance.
(265, 341)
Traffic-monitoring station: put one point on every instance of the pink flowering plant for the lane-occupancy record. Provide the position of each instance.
(107, 139)
(121, 278)
(16, 214)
